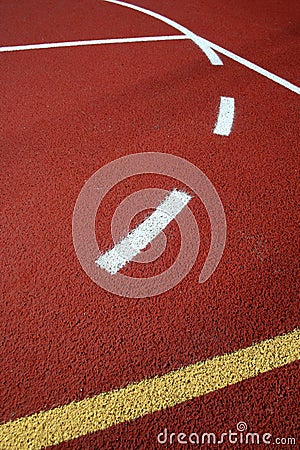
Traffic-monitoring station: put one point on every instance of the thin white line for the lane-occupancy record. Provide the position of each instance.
(256, 68)
(92, 42)
(225, 117)
(138, 239)
(199, 41)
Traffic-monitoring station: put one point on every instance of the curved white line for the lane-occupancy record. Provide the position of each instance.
(210, 49)
(200, 42)
(225, 117)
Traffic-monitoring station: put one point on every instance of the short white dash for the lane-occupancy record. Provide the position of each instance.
(138, 239)
(225, 117)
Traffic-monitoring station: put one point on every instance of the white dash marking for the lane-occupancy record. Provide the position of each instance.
(15, 48)
(225, 117)
(138, 239)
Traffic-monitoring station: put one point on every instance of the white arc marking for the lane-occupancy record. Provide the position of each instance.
(15, 48)
(210, 49)
(138, 239)
(225, 117)
(199, 41)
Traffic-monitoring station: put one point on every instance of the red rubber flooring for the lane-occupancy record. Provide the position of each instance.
(65, 113)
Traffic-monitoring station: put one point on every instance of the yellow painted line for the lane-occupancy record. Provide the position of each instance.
(76, 419)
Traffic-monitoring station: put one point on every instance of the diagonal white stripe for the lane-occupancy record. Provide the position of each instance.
(138, 239)
(271, 76)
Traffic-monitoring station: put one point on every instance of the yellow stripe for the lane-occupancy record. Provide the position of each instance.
(102, 411)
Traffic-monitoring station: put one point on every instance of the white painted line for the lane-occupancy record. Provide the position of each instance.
(16, 48)
(292, 87)
(225, 117)
(209, 48)
(138, 239)
(199, 41)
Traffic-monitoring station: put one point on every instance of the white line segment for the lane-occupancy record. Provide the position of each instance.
(292, 87)
(138, 239)
(225, 117)
(209, 48)
(199, 41)
(16, 48)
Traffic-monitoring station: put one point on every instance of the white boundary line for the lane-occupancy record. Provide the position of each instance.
(292, 87)
(138, 239)
(208, 46)
(16, 48)
(199, 41)
(225, 117)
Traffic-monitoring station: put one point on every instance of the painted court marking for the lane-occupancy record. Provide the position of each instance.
(225, 117)
(186, 34)
(77, 419)
(138, 239)
(271, 76)
(16, 48)
(90, 415)
(199, 41)
(209, 48)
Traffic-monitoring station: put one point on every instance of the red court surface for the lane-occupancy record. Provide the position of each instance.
(65, 113)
